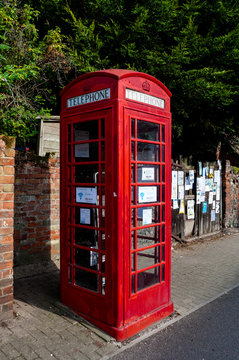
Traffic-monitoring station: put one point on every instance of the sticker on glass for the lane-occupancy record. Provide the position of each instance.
(147, 194)
(147, 216)
(148, 173)
(86, 195)
(85, 216)
(82, 150)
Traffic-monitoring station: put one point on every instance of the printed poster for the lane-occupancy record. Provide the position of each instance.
(175, 204)
(147, 216)
(190, 209)
(191, 176)
(180, 178)
(85, 216)
(198, 197)
(217, 176)
(210, 197)
(174, 193)
(86, 195)
(200, 168)
(204, 209)
(148, 174)
(213, 216)
(181, 192)
(147, 194)
(217, 207)
(211, 172)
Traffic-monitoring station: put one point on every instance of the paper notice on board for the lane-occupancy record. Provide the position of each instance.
(175, 204)
(213, 216)
(214, 204)
(218, 190)
(147, 216)
(217, 176)
(86, 195)
(180, 178)
(174, 192)
(181, 192)
(85, 216)
(190, 209)
(191, 176)
(147, 194)
(204, 209)
(217, 207)
(82, 150)
(210, 197)
(148, 173)
(174, 177)
(198, 198)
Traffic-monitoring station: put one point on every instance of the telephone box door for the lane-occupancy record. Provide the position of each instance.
(86, 265)
(148, 268)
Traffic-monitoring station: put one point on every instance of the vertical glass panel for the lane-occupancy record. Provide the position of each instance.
(86, 216)
(102, 195)
(132, 150)
(87, 130)
(69, 193)
(163, 173)
(148, 215)
(148, 257)
(163, 153)
(133, 194)
(132, 128)
(69, 133)
(69, 254)
(133, 284)
(86, 152)
(69, 230)
(163, 193)
(163, 272)
(69, 212)
(102, 263)
(103, 285)
(86, 237)
(103, 218)
(148, 152)
(148, 278)
(132, 262)
(148, 236)
(102, 240)
(69, 173)
(163, 133)
(163, 233)
(102, 150)
(148, 130)
(87, 173)
(148, 173)
(102, 128)
(86, 280)
(133, 217)
(132, 173)
(133, 240)
(87, 259)
(163, 212)
(102, 173)
(69, 153)
(163, 253)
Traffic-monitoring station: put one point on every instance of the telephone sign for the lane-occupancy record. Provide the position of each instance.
(115, 200)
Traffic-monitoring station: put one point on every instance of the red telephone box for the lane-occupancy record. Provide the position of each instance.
(115, 200)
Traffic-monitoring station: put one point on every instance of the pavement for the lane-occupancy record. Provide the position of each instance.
(43, 329)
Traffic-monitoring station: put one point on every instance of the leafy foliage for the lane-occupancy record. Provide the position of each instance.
(190, 45)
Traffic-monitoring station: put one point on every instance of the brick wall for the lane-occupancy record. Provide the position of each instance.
(36, 212)
(7, 154)
(230, 197)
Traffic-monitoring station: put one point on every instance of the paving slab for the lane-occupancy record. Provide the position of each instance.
(42, 329)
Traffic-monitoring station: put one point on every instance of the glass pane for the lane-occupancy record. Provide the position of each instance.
(148, 194)
(133, 217)
(132, 128)
(103, 263)
(163, 212)
(103, 285)
(69, 133)
(102, 195)
(163, 173)
(163, 153)
(102, 241)
(86, 216)
(69, 173)
(148, 131)
(132, 173)
(132, 262)
(102, 150)
(132, 150)
(86, 237)
(163, 133)
(148, 173)
(87, 259)
(102, 128)
(69, 153)
(133, 284)
(132, 194)
(163, 253)
(133, 240)
(148, 152)
(103, 218)
(86, 152)
(163, 233)
(69, 193)
(148, 236)
(148, 278)
(163, 272)
(87, 173)
(69, 274)
(148, 257)
(87, 130)
(86, 280)
(163, 193)
(103, 173)
(148, 215)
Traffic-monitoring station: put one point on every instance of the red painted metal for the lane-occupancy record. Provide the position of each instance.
(115, 246)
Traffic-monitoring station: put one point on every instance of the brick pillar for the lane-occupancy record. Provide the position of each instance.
(7, 155)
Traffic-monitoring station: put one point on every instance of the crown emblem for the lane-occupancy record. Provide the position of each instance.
(146, 86)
